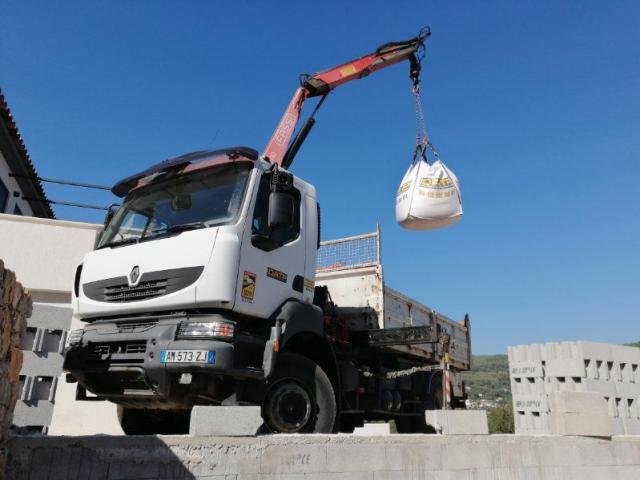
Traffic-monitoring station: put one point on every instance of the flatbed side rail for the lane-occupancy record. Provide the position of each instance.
(350, 252)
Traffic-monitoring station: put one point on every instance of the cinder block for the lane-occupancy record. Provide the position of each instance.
(373, 429)
(631, 426)
(603, 387)
(625, 354)
(531, 422)
(587, 424)
(627, 390)
(458, 422)
(592, 350)
(628, 370)
(530, 403)
(526, 369)
(225, 421)
(577, 402)
(527, 386)
(566, 367)
(617, 426)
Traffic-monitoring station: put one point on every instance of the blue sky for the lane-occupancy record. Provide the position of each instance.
(534, 105)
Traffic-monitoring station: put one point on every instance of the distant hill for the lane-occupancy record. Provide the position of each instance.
(636, 344)
(488, 381)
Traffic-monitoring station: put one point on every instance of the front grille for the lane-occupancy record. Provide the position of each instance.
(142, 291)
(135, 327)
(118, 347)
(151, 285)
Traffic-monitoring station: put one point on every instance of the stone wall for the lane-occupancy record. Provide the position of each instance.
(15, 308)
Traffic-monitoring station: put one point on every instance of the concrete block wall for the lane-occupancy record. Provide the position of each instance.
(539, 370)
(43, 353)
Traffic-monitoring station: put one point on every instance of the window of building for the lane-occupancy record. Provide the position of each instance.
(4, 196)
(42, 388)
(29, 339)
(52, 340)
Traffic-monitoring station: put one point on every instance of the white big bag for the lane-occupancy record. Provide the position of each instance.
(429, 195)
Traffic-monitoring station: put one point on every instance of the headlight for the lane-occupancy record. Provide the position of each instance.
(224, 330)
(73, 338)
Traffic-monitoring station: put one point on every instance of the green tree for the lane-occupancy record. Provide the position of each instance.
(501, 419)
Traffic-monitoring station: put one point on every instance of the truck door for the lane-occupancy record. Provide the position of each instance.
(272, 263)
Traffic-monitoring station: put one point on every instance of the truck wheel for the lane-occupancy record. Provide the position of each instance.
(138, 421)
(299, 397)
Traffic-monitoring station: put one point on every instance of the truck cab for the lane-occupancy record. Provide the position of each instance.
(198, 236)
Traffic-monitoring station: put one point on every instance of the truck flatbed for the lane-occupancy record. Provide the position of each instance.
(351, 268)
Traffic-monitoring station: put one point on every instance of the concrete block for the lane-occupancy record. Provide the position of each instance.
(603, 387)
(531, 422)
(225, 421)
(592, 350)
(585, 424)
(628, 370)
(526, 369)
(529, 403)
(625, 354)
(617, 426)
(627, 390)
(528, 386)
(631, 426)
(565, 367)
(458, 422)
(373, 429)
(577, 402)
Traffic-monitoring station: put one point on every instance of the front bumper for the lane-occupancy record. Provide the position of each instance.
(120, 360)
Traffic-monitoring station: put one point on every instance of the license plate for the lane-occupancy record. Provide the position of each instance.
(187, 356)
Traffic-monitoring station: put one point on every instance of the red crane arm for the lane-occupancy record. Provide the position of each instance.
(322, 83)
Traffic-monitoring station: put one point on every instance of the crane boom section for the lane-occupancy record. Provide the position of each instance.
(323, 82)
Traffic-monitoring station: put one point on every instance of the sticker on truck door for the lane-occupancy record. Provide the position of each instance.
(248, 286)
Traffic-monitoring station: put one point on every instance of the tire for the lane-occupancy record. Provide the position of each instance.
(299, 397)
(138, 421)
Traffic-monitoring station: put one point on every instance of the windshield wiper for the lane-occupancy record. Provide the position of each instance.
(174, 229)
(117, 243)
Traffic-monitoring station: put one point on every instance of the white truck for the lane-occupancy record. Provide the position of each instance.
(206, 288)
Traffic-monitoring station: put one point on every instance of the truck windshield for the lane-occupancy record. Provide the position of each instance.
(196, 200)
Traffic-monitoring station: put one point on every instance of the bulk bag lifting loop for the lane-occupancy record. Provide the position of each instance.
(429, 194)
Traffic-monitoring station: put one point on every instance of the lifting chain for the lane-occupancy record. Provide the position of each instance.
(422, 137)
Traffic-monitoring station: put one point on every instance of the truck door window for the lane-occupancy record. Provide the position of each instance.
(259, 225)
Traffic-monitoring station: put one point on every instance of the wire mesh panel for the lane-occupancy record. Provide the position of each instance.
(351, 252)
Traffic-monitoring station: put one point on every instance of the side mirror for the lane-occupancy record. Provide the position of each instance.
(281, 210)
(110, 214)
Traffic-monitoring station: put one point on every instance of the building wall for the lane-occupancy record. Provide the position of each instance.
(11, 185)
(44, 253)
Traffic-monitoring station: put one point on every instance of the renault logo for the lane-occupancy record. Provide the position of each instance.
(134, 276)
